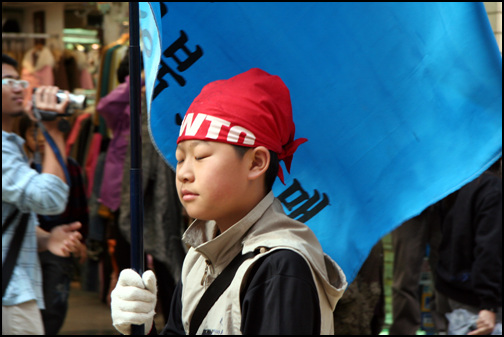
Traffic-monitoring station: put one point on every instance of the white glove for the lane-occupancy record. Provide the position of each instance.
(133, 300)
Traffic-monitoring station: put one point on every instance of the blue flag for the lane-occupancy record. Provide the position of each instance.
(401, 102)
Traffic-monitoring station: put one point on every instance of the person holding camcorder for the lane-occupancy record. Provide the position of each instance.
(25, 193)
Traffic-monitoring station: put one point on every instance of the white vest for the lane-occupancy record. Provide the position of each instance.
(265, 226)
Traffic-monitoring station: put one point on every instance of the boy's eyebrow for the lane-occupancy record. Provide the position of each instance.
(10, 76)
(193, 144)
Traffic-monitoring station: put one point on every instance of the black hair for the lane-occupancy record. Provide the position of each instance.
(9, 60)
(123, 69)
(11, 26)
(271, 173)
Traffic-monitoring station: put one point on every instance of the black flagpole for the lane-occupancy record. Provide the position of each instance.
(136, 197)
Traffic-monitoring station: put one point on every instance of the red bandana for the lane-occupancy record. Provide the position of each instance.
(250, 109)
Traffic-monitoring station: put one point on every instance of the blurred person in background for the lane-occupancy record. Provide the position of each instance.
(412, 241)
(469, 271)
(57, 271)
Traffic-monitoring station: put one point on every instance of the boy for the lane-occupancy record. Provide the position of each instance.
(228, 149)
(57, 271)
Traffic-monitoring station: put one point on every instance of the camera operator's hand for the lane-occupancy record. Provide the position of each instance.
(45, 99)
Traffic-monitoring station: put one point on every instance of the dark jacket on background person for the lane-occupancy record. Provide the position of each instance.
(470, 255)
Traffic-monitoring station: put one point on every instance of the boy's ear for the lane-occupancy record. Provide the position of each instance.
(259, 162)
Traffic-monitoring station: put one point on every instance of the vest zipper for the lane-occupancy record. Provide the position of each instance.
(204, 279)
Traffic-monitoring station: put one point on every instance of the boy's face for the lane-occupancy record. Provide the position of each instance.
(212, 181)
(33, 142)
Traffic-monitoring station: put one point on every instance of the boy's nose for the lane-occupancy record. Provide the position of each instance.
(184, 172)
(40, 137)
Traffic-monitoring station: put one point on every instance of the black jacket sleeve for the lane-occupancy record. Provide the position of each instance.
(469, 269)
(174, 325)
(280, 297)
(487, 266)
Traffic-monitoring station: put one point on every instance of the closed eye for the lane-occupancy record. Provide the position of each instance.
(179, 159)
(200, 155)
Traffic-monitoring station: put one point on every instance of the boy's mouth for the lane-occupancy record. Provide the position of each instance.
(188, 195)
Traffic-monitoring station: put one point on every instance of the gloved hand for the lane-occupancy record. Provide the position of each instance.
(133, 300)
